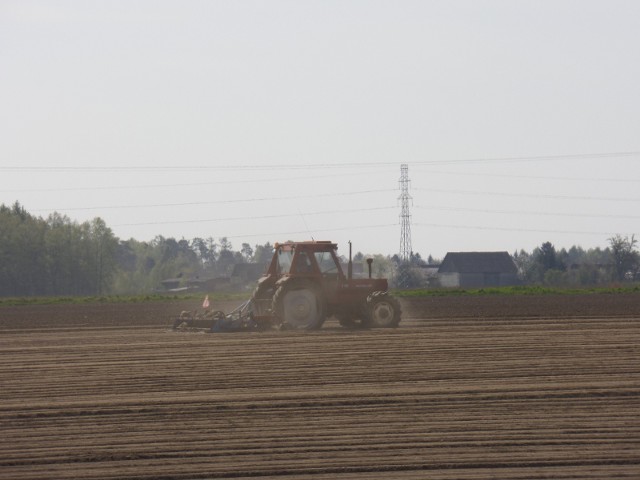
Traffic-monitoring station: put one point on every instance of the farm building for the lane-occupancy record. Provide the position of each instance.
(478, 269)
(172, 285)
(246, 273)
(209, 284)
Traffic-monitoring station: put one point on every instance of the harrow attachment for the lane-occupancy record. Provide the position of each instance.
(239, 320)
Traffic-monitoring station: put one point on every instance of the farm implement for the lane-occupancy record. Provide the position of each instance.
(302, 287)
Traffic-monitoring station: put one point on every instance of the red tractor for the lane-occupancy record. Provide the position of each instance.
(305, 284)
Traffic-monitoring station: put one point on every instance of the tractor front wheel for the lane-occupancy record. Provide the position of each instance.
(299, 305)
(383, 311)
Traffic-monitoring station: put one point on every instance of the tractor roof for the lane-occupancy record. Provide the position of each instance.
(315, 245)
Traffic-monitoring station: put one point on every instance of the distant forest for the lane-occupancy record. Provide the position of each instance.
(58, 256)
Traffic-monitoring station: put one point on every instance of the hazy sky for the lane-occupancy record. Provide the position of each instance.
(274, 120)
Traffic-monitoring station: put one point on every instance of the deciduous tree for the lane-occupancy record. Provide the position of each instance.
(625, 256)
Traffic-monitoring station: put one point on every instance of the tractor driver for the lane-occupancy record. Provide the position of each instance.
(303, 264)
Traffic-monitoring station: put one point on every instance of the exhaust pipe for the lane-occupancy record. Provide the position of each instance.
(350, 267)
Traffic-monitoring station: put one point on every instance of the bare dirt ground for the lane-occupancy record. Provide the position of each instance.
(466, 388)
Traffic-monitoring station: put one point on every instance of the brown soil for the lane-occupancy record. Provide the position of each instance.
(467, 388)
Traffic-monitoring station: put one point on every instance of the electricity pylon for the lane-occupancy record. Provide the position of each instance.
(405, 216)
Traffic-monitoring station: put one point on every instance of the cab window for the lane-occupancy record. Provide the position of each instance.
(326, 263)
(284, 261)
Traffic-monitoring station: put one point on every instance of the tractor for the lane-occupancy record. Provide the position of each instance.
(305, 284)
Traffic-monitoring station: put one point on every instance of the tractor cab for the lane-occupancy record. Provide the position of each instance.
(305, 258)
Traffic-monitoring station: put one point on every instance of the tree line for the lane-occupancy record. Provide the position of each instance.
(546, 265)
(54, 256)
(59, 256)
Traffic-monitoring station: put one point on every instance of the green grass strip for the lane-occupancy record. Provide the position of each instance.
(70, 300)
(518, 290)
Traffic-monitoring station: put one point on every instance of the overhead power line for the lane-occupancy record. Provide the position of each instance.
(527, 195)
(509, 229)
(524, 212)
(304, 177)
(253, 217)
(318, 231)
(261, 180)
(214, 202)
(535, 177)
(234, 166)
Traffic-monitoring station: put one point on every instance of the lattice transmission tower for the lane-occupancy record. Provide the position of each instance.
(405, 216)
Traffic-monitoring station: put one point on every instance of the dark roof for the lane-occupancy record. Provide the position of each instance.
(478, 262)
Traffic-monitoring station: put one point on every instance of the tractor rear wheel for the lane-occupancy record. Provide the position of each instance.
(299, 305)
(383, 311)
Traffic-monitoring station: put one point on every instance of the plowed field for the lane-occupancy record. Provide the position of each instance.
(466, 388)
